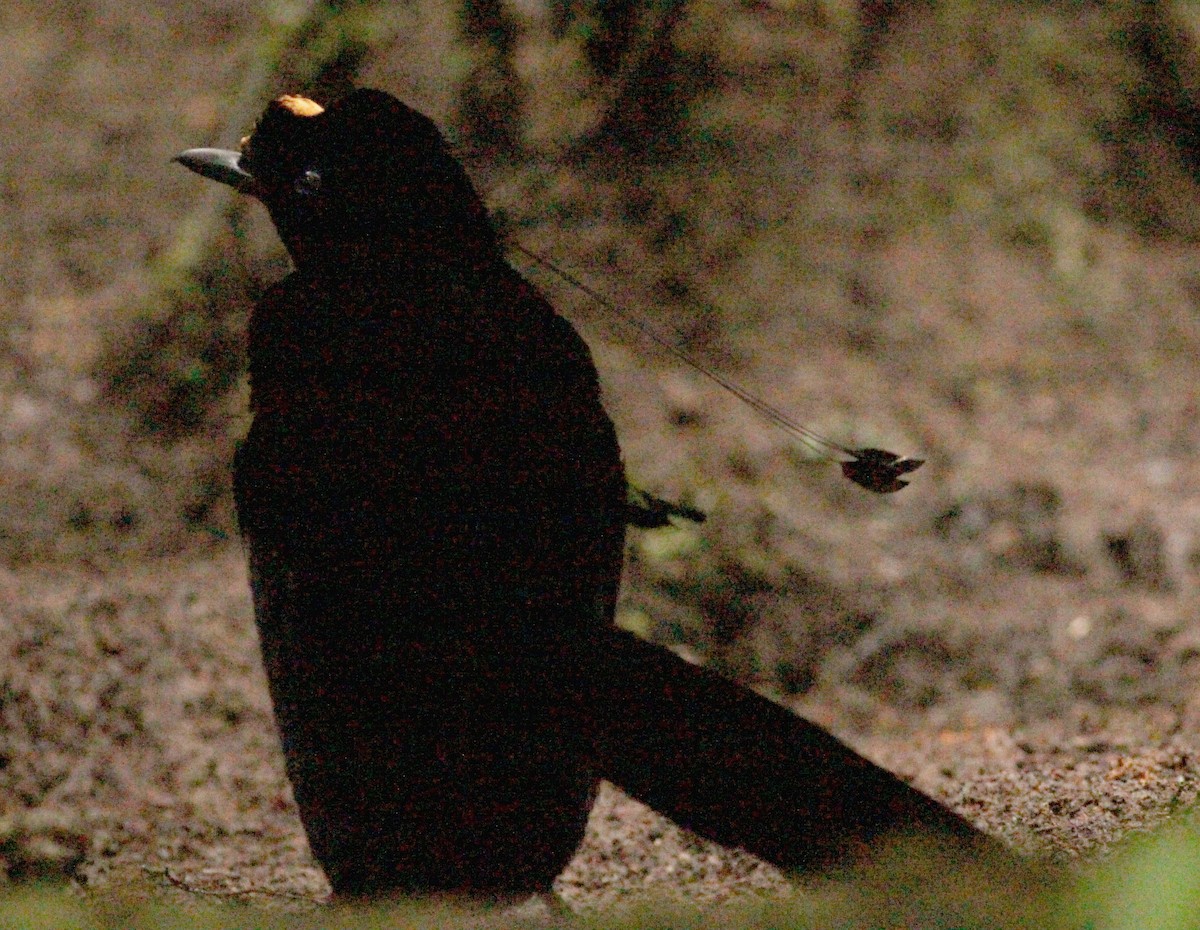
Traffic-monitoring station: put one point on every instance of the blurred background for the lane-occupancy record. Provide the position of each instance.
(964, 231)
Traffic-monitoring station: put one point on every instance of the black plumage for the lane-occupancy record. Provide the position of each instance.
(434, 504)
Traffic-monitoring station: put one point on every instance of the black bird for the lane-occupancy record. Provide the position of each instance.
(434, 504)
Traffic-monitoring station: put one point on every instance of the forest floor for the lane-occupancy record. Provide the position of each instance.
(940, 271)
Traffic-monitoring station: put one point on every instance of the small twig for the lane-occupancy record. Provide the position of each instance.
(165, 872)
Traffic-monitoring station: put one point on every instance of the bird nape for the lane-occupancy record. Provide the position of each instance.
(434, 505)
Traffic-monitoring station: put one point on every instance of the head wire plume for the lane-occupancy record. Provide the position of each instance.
(876, 470)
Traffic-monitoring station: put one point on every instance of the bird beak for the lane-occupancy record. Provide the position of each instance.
(218, 165)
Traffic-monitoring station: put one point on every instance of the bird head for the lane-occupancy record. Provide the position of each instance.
(365, 176)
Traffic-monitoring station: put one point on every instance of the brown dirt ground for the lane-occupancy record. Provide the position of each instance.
(948, 273)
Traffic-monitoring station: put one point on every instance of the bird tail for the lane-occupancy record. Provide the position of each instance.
(738, 769)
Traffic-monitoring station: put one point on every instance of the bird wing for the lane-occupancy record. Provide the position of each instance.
(434, 510)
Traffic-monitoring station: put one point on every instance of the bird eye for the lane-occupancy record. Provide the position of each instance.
(308, 183)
